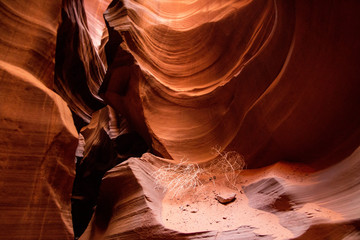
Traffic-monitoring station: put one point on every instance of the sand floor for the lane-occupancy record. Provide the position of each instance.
(198, 209)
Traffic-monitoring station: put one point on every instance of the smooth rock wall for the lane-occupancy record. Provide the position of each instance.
(272, 80)
(37, 134)
(79, 71)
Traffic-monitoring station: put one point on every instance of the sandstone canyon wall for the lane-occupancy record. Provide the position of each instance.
(37, 137)
(269, 79)
(275, 81)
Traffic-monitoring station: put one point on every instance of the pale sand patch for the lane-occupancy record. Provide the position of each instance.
(198, 210)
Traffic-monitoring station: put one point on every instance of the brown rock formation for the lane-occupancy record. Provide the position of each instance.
(101, 152)
(37, 146)
(272, 80)
(134, 211)
(37, 134)
(276, 81)
(78, 68)
(283, 89)
(277, 202)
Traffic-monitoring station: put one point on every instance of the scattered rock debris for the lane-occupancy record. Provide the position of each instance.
(194, 210)
(225, 198)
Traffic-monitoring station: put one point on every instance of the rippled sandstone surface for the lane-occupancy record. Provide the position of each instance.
(275, 81)
(37, 134)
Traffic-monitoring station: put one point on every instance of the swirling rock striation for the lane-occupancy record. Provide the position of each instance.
(281, 198)
(134, 212)
(37, 143)
(79, 71)
(272, 80)
(99, 154)
(37, 134)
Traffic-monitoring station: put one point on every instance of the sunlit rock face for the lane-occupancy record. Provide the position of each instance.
(283, 201)
(276, 81)
(78, 68)
(38, 141)
(95, 20)
(37, 134)
(273, 80)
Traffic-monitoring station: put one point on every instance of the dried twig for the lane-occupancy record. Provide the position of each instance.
(179, 178)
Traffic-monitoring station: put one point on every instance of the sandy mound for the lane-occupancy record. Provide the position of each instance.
(260, 203)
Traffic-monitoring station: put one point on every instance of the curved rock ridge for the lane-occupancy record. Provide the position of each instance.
(272, 80)
(185, 46)
(337, 187)
(95, 20)
(269, 204)
(79, 70)
(134, 212)
(196, 60)
(37, 146)
(37, 133)
(28, 37)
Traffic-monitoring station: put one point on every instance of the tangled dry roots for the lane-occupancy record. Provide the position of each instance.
(230, 164)
(178, 178)
(184, 176)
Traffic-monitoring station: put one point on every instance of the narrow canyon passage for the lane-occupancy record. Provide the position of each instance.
(180, 119)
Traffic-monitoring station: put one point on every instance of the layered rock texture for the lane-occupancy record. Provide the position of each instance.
(37, 134)
(284, 201)
(188, 82)
(272, 80)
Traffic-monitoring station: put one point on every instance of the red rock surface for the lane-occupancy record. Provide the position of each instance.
(37, 146)
(275, 81)
(283, 201)
(37, 134)
(283, 88)
(134, 211)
